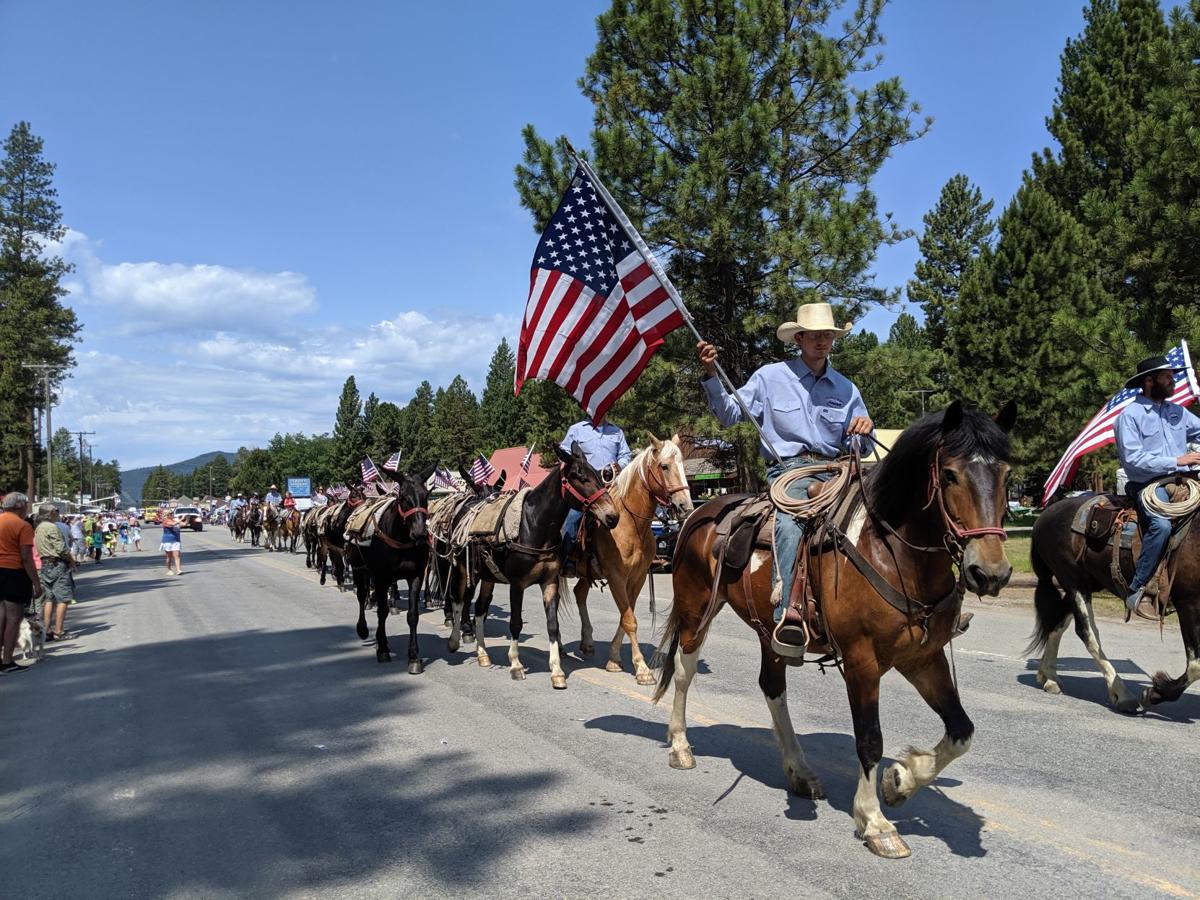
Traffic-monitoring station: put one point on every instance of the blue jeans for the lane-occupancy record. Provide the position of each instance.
(789, 530)
(1156, 531)
(570, 531)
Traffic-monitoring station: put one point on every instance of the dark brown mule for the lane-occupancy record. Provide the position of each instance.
(1054, 551)
(331, 536)
(937, 499)
(533, 558)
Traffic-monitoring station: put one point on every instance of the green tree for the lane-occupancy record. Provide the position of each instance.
(221, 472)
(499, 408)
(456, 431)
(256, 473)
(300, 456)
(956, 230)
(34, 324)
(386, 433)
(349, 435)
(1007, 335)
(416, 430)
(157, 487)
(547, 412)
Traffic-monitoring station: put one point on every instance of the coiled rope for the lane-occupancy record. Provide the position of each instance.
(807, 507)
(1172, 509)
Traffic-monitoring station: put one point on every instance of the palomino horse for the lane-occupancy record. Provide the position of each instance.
(254, 522)
(533, 558)
(936, 500)
(655, 477)
(399, 548)
(1080, 569)
(273, 526)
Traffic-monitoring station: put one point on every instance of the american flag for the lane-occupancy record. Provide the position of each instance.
(393, 462)
(528, 457)
(481, 471)
(1100, 431)
(339, 492)
(369, 472)
(443, 479)
(596, 312)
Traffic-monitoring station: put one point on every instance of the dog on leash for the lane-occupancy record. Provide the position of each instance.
(31, 640)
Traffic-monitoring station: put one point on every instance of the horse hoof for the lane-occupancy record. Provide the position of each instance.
(645, 678)
(452, 646)
(1128, 705)
(587, 649)
(1148, 698)
(517, 674)
(681, 759)
(484, 660)
(1051, 687)
(383, 656)
(892, 786)
(416, 667)
(810, 787)
(361, 631)
(559, 682)
(612, 666)
(889, 845)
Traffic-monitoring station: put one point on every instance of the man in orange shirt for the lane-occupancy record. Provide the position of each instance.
(19, 582)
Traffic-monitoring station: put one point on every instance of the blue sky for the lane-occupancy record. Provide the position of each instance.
(266, 197)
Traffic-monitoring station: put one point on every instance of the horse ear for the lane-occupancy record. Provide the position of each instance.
(676, 440)
(952, 417)
(1007, 416)
(655, 442)
(425, 474)
(499, 482)
(563, 456)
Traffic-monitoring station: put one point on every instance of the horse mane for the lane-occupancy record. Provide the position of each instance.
(898, 485)
(624, 480)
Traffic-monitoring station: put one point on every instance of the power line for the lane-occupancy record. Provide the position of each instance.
(46, 369)
(80, 435)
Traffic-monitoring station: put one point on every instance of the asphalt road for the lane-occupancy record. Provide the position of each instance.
(225, 733)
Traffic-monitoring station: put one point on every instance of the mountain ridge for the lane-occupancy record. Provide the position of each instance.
(132, 480)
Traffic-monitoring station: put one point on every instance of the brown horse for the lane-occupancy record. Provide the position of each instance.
(289, 533)
(1082, 569)
(655, 477)
(935, 501)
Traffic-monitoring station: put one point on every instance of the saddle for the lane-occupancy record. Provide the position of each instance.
(497, 519)
(360, 527)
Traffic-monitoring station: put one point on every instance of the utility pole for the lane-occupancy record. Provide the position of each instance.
(922, 392)
(80, 435)
(46, 369)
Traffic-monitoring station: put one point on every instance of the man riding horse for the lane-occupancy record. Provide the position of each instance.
(1152, 442)
(605, 447)
(809, 412)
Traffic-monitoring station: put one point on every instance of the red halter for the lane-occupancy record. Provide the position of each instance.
(957, 532)
(567, 488)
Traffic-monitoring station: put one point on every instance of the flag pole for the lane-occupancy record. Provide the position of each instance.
(659, 273)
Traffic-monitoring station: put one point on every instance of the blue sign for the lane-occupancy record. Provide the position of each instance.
(300, 487)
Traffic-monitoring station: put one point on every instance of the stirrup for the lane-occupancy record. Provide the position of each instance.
(793, 649)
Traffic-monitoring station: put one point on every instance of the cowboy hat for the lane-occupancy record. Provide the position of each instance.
(1149, 366)
(811, 317)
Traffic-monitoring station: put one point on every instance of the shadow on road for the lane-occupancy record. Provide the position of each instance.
(753, 752)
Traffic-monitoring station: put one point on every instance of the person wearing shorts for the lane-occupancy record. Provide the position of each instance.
(171, 544)
(57, 572)
(19, 583)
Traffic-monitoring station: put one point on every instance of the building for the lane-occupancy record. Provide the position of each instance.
(508, 460)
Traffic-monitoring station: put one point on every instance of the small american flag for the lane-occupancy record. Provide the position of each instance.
(481, 471)
(443, 479)
(528, 457)
(339, 492)
(596, 312)
(369, 472)
(1100, 431)
(393, 462)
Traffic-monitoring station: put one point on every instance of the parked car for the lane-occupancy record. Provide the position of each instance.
(666, 533)
(190, 517)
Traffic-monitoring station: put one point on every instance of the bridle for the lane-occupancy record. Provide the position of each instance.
(585, 503)
(956, 536)
(661, 497)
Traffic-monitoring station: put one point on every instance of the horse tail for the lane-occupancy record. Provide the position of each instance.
(1050, 604)
(664, 655)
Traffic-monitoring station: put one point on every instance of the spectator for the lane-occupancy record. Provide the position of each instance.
(19, 584)
(58, 582)
(123, 535)
(110, 538)
(319, 498)
(78, 548)
(135, 532)
(171, 544)
(96, 541)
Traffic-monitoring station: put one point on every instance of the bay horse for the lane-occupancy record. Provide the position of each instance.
(237, 525)
(653, 478)
(398, 549)
(254, 522)
(936, 500)
(272, 525)
(1058, 554)
(532, 559)
(331, 535)
(289, 531)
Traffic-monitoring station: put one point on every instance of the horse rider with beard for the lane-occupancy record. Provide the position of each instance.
(1152, 442)
(605, 447)
(809, 412)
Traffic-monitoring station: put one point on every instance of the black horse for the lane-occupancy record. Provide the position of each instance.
(331, 541)
(441, 563)
(399, 548)
(254, 522)
(533, 558)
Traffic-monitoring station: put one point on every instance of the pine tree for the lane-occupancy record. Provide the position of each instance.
(416, 432)
(34, 325)
(349, 436)
(156, 487)
(456, 431)
(500, 408)
(956, 230)
(257, 473)
(385, 433)
(1006, 336)
(221, 473)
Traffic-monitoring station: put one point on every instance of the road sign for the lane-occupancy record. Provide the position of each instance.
(300, 487)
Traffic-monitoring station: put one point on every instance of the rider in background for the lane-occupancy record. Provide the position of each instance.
(808, 411)
(273, 498)
(1152, 437)
(604, 445)
(289, 502)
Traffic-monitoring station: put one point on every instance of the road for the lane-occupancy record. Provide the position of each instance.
(224, 733)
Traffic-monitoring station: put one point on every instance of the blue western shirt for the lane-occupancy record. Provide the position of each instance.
(798, 411)
(1152, 436)
(602, 446)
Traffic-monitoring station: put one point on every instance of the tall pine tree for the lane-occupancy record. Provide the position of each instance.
(499, 409)
(455, 426)
(349, 436)
(416, 431)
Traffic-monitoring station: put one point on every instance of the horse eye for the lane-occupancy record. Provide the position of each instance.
(665, 467)
(950, 477)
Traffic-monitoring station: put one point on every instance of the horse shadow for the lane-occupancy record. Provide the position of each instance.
(754, 753)
(1090, 687)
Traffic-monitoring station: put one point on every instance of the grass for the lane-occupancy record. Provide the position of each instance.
(1017, 549)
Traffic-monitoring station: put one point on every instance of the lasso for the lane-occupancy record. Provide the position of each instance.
(1172, 509)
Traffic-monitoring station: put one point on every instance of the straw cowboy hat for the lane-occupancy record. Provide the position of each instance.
(811, 317)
